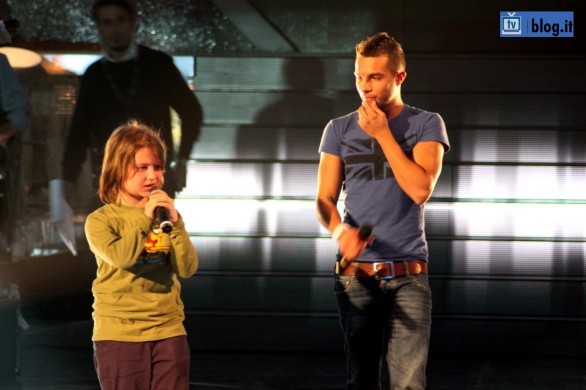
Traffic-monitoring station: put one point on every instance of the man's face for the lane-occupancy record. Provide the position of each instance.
(375, 81)
(116, 28)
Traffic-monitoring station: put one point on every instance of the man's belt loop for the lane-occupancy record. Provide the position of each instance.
(407, 271)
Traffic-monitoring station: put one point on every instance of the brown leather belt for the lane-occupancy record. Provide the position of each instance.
(385, 269)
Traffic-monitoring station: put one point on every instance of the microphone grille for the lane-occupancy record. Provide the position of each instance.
(365, 231)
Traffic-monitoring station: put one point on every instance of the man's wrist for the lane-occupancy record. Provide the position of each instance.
(337, 233)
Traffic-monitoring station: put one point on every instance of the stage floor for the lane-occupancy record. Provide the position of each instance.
(56, 354)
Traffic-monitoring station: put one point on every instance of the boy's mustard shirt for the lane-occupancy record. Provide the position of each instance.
(136, 290)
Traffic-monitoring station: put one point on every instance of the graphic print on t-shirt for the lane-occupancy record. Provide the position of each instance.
(364, 160)
(156, 248)
(157, 241)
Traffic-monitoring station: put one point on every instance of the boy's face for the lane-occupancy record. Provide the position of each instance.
(146, 175)
(116, 28)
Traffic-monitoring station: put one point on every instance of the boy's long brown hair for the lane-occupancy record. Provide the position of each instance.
(119, 156)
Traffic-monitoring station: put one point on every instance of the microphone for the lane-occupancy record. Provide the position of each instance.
(364, 232)
(162, 215)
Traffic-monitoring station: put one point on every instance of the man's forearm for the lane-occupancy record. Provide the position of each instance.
(328, 215)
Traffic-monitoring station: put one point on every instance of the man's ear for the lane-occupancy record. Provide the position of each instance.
(400, 77)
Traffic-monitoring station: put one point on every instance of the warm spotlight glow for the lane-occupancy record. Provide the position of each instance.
(20, 58)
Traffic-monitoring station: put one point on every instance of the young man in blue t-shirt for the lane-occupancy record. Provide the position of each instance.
(386, 157)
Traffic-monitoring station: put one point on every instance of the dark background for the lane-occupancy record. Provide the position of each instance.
(507, 248)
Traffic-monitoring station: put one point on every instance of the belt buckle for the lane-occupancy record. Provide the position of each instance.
(387, 277)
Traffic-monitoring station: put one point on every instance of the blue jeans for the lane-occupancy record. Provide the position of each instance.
(379, 317)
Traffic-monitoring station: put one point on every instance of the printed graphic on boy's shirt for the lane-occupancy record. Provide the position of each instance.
(156, 247)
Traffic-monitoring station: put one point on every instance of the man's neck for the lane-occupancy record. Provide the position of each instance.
(121, 55)
(393, 109)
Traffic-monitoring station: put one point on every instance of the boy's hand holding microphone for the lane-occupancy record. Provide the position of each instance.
(162, 207)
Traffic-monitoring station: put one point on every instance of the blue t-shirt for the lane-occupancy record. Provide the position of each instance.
(371, 193)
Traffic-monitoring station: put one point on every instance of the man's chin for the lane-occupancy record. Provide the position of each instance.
(369, 100)
(118, 48)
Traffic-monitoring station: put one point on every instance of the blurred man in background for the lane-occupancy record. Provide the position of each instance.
(130, 81)
(14, 120)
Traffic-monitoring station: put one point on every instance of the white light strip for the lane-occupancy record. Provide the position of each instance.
(515, 219)
(78, 63)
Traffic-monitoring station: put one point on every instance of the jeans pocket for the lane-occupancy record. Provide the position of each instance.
(343, 284)
(420, 281)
